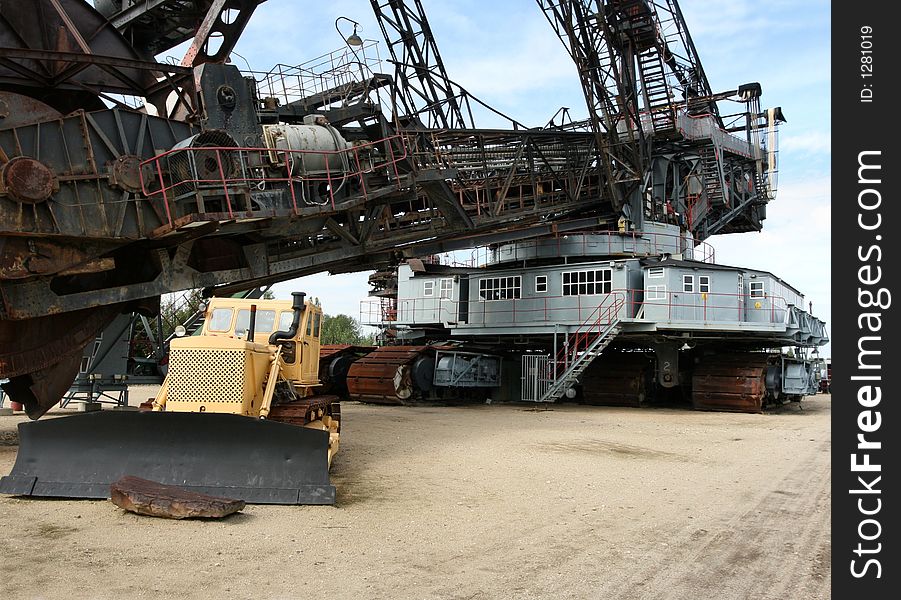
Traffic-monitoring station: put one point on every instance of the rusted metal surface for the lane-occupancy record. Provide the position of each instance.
(618, 379)
(215, 26)
(384, 376)
(22, 257)
(41, 356)
(730, 382)
(335, 361)
(66, 26)
(305, 410)
(153, 499)
(27, 180)
(16, 110)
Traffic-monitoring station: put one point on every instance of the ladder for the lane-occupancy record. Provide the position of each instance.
(712, 176)
(658, 99)
(583, 346)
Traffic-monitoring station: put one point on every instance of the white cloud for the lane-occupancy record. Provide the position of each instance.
(810, 142)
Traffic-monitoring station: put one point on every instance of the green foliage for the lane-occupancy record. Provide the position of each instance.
(176, 308)
(342, 329)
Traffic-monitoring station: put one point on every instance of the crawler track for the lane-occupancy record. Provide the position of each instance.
(305, 410)
(387, 375)
(731, 382)
(618, 379)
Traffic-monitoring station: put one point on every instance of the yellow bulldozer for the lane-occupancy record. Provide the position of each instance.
(237, 416)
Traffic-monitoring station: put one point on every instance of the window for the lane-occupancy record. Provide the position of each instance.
(264, 321)
(704, 284)
(285, 319)
(656, 292)
(500, 288)
(655, 272)
(688, 284)
(582, 283)
(447, 286)
(428, 288)
(221, 319)
(540, 284)
(309, 324)
(317, 321)
(757, 289)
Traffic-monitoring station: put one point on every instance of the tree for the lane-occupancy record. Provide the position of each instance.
(176, 308)
(342, 329)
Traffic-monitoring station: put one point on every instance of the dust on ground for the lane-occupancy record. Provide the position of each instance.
(478, 502)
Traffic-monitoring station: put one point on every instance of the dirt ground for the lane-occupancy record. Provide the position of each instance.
(477, 502)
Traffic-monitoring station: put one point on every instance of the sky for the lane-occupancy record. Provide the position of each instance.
(505, 53)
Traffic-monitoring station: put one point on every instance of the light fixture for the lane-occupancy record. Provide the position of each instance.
(354, 40)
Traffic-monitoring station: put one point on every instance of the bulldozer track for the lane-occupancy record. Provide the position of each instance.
(305, 410)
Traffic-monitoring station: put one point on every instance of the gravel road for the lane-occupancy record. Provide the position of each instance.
(478, 502)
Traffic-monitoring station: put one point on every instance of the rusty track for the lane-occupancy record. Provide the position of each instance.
(385, 376)
(305, 410)
(731, 382)
(618, 379)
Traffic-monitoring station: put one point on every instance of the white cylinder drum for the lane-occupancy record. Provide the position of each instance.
(318, 147)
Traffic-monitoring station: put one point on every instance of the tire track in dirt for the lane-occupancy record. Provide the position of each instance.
(753, 555)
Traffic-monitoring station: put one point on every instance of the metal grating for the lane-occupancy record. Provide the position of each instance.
(206, 375)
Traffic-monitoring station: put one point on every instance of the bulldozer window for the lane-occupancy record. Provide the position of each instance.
(309, 325)
(318, 322)
(265, 321)
(221, 319)
(284, 320)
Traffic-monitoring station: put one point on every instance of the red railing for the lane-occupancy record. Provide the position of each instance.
(579, 341)
(175, 173)
(705, 307)
(702, 307)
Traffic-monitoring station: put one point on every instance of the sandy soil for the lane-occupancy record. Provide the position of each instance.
(478, 502)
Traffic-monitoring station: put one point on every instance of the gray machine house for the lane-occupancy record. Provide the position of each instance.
(618, 317)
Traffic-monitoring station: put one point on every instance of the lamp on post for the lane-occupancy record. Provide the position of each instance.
(354, 40)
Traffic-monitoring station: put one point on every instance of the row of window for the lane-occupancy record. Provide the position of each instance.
(221, 321)
(444, 291)
(575, 283)
(500, 288)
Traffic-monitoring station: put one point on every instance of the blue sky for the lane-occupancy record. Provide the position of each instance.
(505, 53)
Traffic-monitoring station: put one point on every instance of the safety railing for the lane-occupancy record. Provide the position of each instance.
(704, 126)
(550, 310)
(321, 75)
(584, 243)
(605, 315)
(709, 307)
(225, 172)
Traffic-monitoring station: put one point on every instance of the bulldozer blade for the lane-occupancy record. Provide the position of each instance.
(260, 462)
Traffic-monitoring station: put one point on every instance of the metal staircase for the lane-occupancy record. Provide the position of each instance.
(712, 175)
(658, 98)
(583, 346)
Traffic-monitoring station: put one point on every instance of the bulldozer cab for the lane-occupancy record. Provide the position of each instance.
(231, 318)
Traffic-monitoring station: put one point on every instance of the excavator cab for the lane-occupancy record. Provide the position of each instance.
(237, 416)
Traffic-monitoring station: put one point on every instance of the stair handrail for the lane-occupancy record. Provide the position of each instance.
(606, 315)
